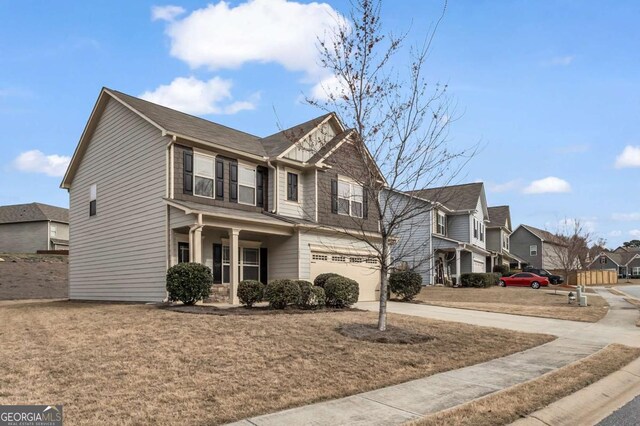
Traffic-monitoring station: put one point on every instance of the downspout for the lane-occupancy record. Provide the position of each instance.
(275, 189)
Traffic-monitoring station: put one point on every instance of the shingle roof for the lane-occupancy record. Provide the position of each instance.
(34, 212)
(498, 216)
(544, 235)
(278, 143)
(194, 127)
(622, 249)
(620, 258)
(230, 212)
(455, 197)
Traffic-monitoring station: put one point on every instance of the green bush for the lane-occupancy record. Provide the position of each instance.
(311, 297)
(250, 292)
(341, 292)
(189, 282)
(479, 280)
(503, 270)
(406, 284)
(280, 293)
(321, 279)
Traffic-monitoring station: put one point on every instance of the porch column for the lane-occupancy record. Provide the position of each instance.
(234, 262)
(197, 244)
(458, 267)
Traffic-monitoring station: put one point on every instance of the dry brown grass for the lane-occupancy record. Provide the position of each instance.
(33, 276)
(507, 406)
(515, 300)
(137, 364)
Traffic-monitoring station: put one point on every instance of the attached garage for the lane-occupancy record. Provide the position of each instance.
(363, 269)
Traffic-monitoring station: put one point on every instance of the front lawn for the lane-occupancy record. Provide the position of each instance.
(515, 300)
(137, 364)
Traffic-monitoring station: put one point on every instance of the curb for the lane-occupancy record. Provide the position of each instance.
(592, 404)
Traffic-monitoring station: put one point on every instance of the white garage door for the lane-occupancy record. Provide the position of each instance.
(364, 270)
(478, 264)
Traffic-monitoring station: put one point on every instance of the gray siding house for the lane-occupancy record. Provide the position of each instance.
(27, 228)
(626, 262)
(150, 187)
(498, 238)
(536, 247)
(448, 236)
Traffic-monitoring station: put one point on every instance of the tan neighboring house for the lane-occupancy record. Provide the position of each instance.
(27, 228)
(537, 248)
(150, 187)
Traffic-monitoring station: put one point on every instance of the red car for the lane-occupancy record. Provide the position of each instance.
(524, 279)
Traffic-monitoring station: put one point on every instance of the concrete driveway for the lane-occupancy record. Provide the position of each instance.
(632, 290)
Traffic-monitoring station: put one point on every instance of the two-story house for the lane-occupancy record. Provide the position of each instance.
(626, 262)
(150, 187)
(498, 238)
(28, 228)
(448, 236)
(538, 248)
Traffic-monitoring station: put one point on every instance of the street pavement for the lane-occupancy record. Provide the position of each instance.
(632, 290)
(627, 415)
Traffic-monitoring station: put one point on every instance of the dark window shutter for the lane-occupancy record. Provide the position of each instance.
(365, 203)
(217, 263)
(188, 172)
(233, 182)
(334, 196)
(260, 187)
(264, 261)
(219, 179)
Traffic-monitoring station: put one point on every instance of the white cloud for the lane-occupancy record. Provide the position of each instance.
(635, 233)
(328, 87)
(627, 217)
(263, 31)
(549, 184)
(166, 13)
(193, 96)
(35, 161)
(561, 60)
(511, 185)
(630, 157)
(615, 233)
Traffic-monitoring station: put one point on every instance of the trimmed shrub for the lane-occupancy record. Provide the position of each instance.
(479, 280)
(311, 297)
(341, 292)
(250, 292)
(280, 293)
(503, 270)
(189, 282)
(321, 279)
(406, 284)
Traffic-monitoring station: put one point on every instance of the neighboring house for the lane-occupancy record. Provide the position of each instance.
(537, 248)
(498, 238)
(150, 187)
(623, 249)
(627, 263)
(448, 236)
(27, 228)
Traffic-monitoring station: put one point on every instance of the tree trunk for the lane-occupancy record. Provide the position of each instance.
(384, 281)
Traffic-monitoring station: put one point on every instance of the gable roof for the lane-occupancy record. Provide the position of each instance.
(179, 123)
(33, 212)
(454, 197)
(499, 216)
(544, 236)
(278, 143)
(620, 259)
(623, 249)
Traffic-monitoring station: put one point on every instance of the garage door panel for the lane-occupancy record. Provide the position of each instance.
(366, 271)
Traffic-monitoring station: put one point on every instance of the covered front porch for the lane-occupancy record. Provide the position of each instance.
(236, 245)
(452, 259)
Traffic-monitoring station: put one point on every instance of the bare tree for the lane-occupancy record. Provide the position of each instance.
(571, 248)
(595, 249)
(399, 123)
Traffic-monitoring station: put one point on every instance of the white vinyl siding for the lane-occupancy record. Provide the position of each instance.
(304, 150)
(120, 254)
(292, 208)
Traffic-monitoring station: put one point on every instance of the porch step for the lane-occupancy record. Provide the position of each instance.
(219, 294)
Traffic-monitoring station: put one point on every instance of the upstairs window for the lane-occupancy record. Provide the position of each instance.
(505, 242)
(533, 250)
(350, 199)
(441, 224)
(204, 175)
(292, 186)
(93, 197)
(247, 185)
(53, 231)
(481, 226)
(475, 228)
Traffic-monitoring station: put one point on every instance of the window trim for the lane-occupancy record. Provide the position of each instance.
(350, 198)
(442, 215)
(255, 183)
(183, 244)
(533, 248)
(295, 200)
(195, 174)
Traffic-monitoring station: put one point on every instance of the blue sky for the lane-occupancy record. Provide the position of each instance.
(551, 89)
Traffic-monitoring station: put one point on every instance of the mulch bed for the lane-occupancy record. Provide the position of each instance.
(256, 310)
(393, 334)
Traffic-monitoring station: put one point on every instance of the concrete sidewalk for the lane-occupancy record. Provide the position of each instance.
(411, 400)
